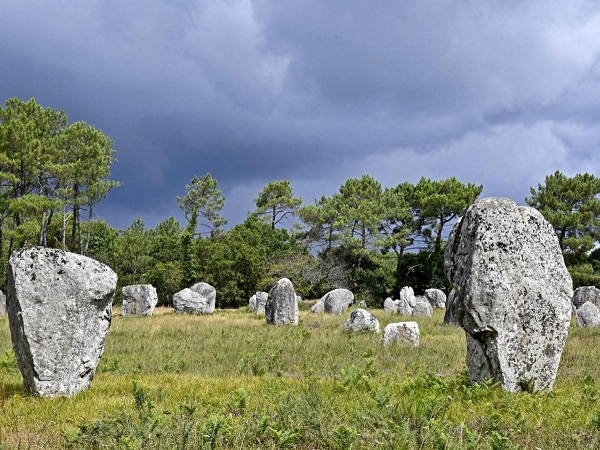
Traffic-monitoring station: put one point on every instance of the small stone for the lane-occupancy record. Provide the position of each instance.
(422, 307)
(338, 301)
(588, 315)
(139, 300)
(407, 295)
(436, 298)
(403, 307)
(187, 301)
(586, 294)
(209, 293)
(2, 303)
(402, 333)
(282, 307)
(362, 320)
(389, 306)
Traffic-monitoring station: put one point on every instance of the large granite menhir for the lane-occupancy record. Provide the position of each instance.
(282, 306)
(59, 309)
(512, 293)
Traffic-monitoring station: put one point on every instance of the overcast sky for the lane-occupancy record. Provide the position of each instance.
(499, 93)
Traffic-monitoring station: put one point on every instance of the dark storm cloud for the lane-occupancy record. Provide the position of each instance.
(499, 93)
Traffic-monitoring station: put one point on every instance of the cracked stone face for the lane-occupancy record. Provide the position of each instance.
(512, 293)
(59, 308)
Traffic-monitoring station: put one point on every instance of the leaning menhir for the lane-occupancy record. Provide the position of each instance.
(139, 300)
(512, 293)
(282, 307)
(59, 309)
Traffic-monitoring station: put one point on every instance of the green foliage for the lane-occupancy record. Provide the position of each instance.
(276, 202)
(203, 201)
(47, 168)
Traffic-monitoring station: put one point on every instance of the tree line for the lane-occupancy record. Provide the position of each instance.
(366, 237)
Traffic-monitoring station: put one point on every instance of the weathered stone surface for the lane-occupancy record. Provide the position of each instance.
(139, 300)
(362, 320)
(318, 307)
(2, 303)
(281, 307)
(407, 295)
(209, 293)
(454, 310)
(187, 301)
(361, 304)
(588, 315)
(436, 298)
(401, 333)
(512, 293)
(422, 307)
(258, 301)
(403, 307)
(586, 294)
(59, 308)
(389, 306)
(337, 301)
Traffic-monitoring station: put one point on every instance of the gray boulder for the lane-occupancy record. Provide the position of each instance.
(2, 303)
(139, 300)
(187, 301)
(362, 320)
(513, 293)
(422, 307)
(59, 309)
(389, 306)
(588, 315)
(258, 301)
(282, 307)
(586, 294)
(209, 293)
(401, 333)
(436, 298)
(337, 301)
(403, 307)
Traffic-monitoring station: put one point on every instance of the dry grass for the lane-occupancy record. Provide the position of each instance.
(310, 386)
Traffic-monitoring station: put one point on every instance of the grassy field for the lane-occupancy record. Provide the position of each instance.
(231, 381)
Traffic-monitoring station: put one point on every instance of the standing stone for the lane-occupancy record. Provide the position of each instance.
(588, 315)
(2, 303)
(586, 294)
(59, 309)
(454, 310)
(281, 307)
(362, 320)
(209, 293)
(402, 333)
(139, 300)
(403, 307)
(422, 307)
(436, 298)
(389, 306)
(261, 301)
(187, 301)
(337, 301)
(513, 293)
(252, 303)
(407, 296)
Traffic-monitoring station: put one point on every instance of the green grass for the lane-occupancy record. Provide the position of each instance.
(231, 381)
